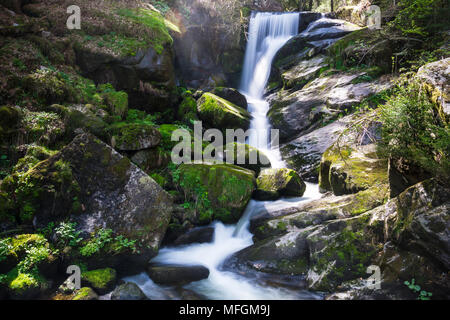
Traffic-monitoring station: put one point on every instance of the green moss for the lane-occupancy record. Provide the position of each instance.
(218, 191)
(49, 179)
(221, 113)
(117, 101)
(100, 278)
(20, 283)
(85, 293)
(158, 35)
(187, 111)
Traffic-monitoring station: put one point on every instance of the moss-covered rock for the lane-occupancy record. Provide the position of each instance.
(435, 79)
(349, 169)
(85, 293)
(117, 101)
(222, 114)
(24, 286)
(134, 136)
(342, 250)
(47, 185)
(220, 191)
(275, 183)
(187, 111)
(232, 95)
(101, 280)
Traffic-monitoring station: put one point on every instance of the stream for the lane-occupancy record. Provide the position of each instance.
(268, 32)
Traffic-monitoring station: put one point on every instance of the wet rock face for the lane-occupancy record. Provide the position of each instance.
(113, 193)
(177, 275)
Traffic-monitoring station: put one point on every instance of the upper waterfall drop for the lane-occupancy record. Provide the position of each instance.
(268, 32)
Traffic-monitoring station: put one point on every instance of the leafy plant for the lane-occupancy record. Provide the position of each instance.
(67, 235)
(5, 247)
(413, 130)
(423, 295)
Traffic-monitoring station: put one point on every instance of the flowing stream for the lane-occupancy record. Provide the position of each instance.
(268, 32)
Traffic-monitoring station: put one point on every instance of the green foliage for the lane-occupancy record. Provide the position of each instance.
(104, 239)
(97, 242)
(34, 255)
(421, 17)
(5, 248)
(67, 235)
(117, 101)
(423, 295)
(413, 130)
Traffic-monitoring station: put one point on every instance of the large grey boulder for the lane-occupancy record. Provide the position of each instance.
(100, 189)
(299, 112)
(436, 79)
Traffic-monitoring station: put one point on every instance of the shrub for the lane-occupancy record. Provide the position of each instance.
(412, 130)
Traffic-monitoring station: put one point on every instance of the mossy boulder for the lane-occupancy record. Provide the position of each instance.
(150, 159)
(27, 261)
(222, 114)
(350, 168)
(232, 95)
(134, 136)
(435, 79)
(275, 183)
(101, 280)
(220, 191)
(24, 286)
(81, 183)
(48, 185)
(422, 220)
(85, 294)
(342, 250)
(246, 156)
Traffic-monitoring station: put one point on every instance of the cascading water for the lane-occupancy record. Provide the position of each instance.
(268, 33)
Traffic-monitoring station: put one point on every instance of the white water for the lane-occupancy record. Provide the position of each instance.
(268, 33)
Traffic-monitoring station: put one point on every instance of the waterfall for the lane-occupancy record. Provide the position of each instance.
(268, 33)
